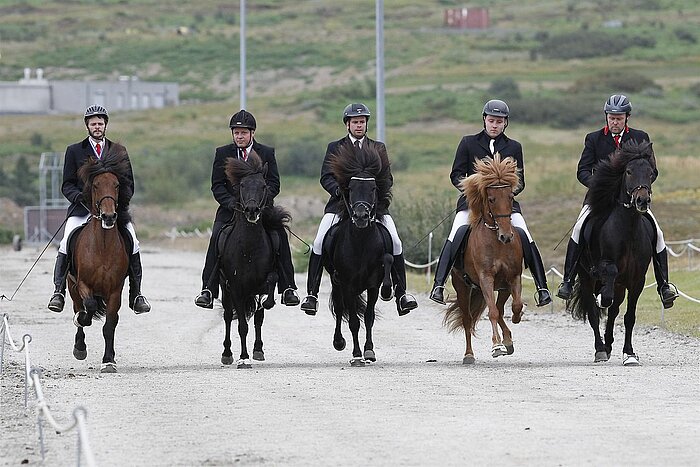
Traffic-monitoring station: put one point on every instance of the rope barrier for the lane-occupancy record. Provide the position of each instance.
(32, 377)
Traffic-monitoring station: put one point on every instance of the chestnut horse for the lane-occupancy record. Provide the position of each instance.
(99, 255)
(493, 257)
(618, 245)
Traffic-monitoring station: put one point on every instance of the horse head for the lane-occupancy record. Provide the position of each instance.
(638, 177)
(364, 179)
(101, 181)
(489, 192)
(249, 179)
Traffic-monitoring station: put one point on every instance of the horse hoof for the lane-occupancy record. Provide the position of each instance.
(109, 367)
(268, 303)
(244, 363)
(369, 355)
(227, 360)
(468, 360)
(79, 354)
(630, 359)
(339, 344)
(604, 304)
(258, 355)
(357, 361)
(385, 293)
(601, 356)
(510, 349)
(498, 350)
(516, 318)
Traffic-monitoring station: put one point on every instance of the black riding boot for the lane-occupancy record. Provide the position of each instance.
(540, 277)
(667, 291)
(444, 266)
(137, 302)
(313, 283)
(59, 281)
(566, 288)
(404, 302)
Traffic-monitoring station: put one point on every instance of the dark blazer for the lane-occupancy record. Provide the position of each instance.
(76, 155)
(475, 147)
(328, 182)
(599, 145)
(223, 190)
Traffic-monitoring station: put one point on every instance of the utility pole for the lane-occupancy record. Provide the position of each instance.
(242, 54)
(380, 68)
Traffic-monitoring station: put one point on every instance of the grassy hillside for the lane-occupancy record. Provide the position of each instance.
(555, 62)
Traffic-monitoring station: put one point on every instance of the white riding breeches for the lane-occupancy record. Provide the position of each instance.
(330, 219)
(462, 218)
(73, 222)
(586, 210)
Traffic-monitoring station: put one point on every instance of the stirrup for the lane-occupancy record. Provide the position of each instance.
(547, 298)
(145, 302)
(55, 307)
(668, 302)
(310, 305)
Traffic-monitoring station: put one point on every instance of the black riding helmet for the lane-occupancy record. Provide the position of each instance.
(242, 119)
(496, 108)
(355, 110)
(96, 111)
(618, 104)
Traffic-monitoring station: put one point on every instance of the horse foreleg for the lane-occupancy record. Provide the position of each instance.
(79, 348)
(227, 356)
(486, 285)
(613, 312)
(629, 358)
(258, 319)
(244, 358)
(608, 273)
(113, 303)
(516, 291)
(353, 323)
(270, 282)
(339, 310)
(601, 354)
(507, 335)
(388, 261)
(372, 295)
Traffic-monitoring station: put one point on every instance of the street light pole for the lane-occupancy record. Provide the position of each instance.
(242, 54)
(380, 68)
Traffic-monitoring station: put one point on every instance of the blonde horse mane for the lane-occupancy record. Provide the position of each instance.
(490, 171)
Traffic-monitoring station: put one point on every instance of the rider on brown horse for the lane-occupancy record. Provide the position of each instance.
(94, 146)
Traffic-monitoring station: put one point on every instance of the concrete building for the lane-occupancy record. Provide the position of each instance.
(37, 95)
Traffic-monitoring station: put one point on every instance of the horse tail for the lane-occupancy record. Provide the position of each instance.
(580, 303)
(454, 316)
(336, 303)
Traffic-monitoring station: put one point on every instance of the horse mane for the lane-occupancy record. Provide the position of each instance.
(115, 161)
(371, 161)
(236, 168)
(488, 171)
(608, 174)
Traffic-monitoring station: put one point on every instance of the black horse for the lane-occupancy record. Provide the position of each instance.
(618, 244)
(247, 255)
(357, 252)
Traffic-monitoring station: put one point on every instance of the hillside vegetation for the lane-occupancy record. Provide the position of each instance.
(555, 62)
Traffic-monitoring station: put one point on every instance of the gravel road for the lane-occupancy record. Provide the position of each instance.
(173, 403)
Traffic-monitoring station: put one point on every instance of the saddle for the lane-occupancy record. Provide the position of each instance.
(73, 237)
(329, 243)
(225, 234)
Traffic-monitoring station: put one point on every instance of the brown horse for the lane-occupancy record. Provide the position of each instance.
(99, 256)
(493, 258)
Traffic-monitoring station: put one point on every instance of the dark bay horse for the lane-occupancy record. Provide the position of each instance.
(99, 255)
(618, 245)
(357, 255)
(247, 256)
(493, 257)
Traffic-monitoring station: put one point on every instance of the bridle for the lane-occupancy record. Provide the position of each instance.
(631, 193)
(240, 205)
(99, 209)
(493, 216)
(370, 207)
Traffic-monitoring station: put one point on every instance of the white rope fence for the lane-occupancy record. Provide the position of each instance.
(32, 378)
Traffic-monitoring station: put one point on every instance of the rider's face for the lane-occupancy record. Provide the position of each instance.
(494, 125)
(242, 136)
(357, 126)
(97, 127)
(616, 122)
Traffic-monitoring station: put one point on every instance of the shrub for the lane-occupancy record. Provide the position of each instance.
(504, 88)
(609, 81)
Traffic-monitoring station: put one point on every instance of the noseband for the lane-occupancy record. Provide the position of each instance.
(99, 210)
(632, 193)
(370, 207)
(240, 205)
(493, 216)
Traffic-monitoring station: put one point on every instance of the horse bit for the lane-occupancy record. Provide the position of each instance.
(99, 210)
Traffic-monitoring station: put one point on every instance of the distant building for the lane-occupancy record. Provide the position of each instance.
(37, 95)
(467, 18)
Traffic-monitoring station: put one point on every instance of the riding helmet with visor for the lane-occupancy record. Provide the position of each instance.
(355, 110)
(618, 104)
(243, 119)
(96, 111)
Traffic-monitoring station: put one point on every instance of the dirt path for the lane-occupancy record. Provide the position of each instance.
(173, 403)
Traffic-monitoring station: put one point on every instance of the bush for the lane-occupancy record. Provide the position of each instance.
(505, 89)
(609, 81)
(588, 44)
(570, 111)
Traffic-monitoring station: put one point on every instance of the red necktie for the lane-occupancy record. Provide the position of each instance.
(244, 154)
(98, 149)
(617, 140)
